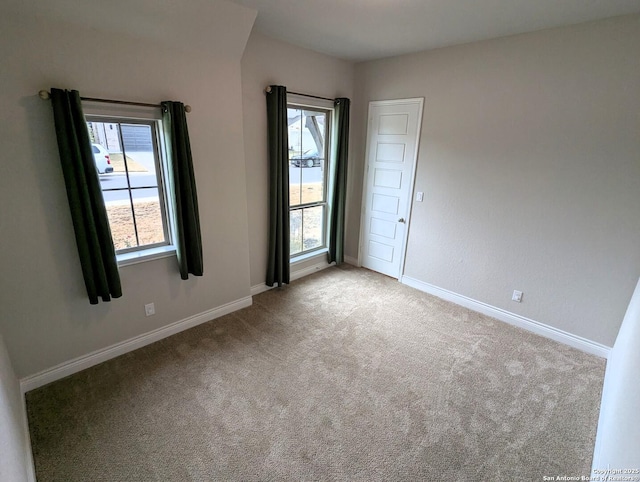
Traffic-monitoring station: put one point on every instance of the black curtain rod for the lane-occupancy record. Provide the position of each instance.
(268, 91)
(46, 96)
(121, 102)
(311, 96)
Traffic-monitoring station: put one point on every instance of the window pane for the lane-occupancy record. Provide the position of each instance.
(146, 204)
(295, 184)
(99, 146)
(295, 231)
(312, 177)
(127, 180)
(307, 182)
(112, 181)
(307, 134)
(141, 164)
(313, 227)
(313, 183)
(294, 117)
(313, 134)
(121, 224)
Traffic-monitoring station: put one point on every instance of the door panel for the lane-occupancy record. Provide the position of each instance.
(387, 178)
(390, 152)
(392, 140)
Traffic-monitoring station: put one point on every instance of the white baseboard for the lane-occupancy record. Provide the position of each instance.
(533, 326)
(28, 462)
(301, 273)
(351, 261)
(261, 288)
(70, 367)
(295, 274)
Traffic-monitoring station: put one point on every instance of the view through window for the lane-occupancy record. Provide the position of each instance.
(127, 159)
(308, 128)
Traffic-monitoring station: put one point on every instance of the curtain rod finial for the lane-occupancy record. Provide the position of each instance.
(267, 89)
(44, 95)
(187, 108)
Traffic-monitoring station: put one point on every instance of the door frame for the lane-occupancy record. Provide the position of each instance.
(412, 180)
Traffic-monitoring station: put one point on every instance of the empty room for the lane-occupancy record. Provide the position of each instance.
(265, 240)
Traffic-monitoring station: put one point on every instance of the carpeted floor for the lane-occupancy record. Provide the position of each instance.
(344, 375)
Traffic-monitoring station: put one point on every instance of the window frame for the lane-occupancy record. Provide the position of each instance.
(152, 117)
(303, 103)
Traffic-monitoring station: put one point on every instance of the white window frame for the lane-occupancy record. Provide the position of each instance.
(301, 102)
(151, 116)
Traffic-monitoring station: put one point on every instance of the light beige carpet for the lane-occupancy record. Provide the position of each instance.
(344, 375)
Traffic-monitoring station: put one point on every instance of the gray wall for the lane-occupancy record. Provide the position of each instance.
(267, 61)
(530, 164)
(14, 455)
(529, 161)
(45, 316)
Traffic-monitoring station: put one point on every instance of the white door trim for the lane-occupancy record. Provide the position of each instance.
(412, 180)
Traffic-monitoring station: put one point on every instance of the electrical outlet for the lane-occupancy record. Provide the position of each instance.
(150, 309)
(517, 296)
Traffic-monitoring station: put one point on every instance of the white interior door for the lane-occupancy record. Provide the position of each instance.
(392, 148)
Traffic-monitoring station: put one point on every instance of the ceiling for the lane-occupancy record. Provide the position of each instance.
(214, 26)
(361, 30)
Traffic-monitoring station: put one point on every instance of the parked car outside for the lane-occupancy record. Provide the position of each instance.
(102, 159)
(308, 159)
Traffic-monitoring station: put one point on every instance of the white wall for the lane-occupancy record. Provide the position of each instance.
(530, 164)
(14, 454)
(267, 61)
(618, 437)
(45, 315)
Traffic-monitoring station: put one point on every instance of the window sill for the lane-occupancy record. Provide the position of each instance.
(144, 255)
(306, 256)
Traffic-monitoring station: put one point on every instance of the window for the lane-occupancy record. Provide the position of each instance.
(128, 156)
(308, 168)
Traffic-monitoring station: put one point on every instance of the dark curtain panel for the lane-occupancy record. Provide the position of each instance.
(183, 190)
(88, 213)
(278, 140)
(338, 200)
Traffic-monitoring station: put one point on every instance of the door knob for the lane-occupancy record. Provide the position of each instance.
(401, 220)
